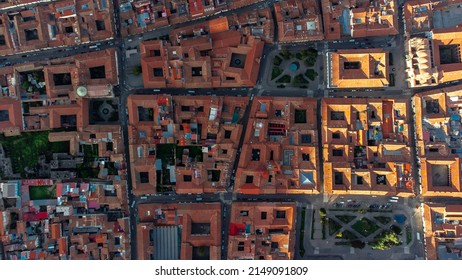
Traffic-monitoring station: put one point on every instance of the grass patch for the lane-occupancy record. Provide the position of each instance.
(396, 229)
(299, 80)
(277, 60)
(284, 79)
(310, 61)
(286, 54)
(392, 80)
(311, 74)
(365, 227)
(25, 149)
(346, 234)
(345, 218)
(333, 227)
(276, 72)
(383, 219)
(42, 192)
(301, 248)
(312, 225)
(408, 234)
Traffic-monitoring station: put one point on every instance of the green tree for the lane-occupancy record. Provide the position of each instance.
(385, 240)
(25, 85)
(137, 70)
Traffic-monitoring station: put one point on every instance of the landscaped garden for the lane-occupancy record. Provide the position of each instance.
(345, 218)
(25, 150)
(365, 227)
(360, 227)
(383, 220)
(294, 68)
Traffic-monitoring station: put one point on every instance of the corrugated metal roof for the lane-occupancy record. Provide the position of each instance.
(166, 243)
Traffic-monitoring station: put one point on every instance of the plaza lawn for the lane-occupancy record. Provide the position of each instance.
(311, 74)
(346, 234)
(42, 192)
(301, 249)
(299, 80)
(345, 219)
(276, 72)
(365, 227)
(334, 227)
(383, 220)
(284, 79)
(408, 234)
(277, 60)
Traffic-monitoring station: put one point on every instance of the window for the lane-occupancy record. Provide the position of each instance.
(337, 116)
(184, 108)
(100, 25)
(359, 180)
(337, 152)
(4, 116)
(224, 151)
(336, 135)
(109, 146)
(338, 178)
(306, 157)
(351, 65)
(280, 214)
(187, 178)
(271, 155)
(244, 213)
(200, 109)
(158, 72)
(249, 179)
(240, 246)
(98, 72)
(144, 177)
(227, 134)
(381, 180)
(31, 34)
(196, 71)
(255, 154)
(306, 138)
(263, 215)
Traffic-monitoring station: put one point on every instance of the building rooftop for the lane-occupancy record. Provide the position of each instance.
(438, 124)
(194, 153)
(424, 15)
(202, 57)
(187, 231)
(358, 68)
(435, 60)
(141, 16)
(55, 24)
(366, 146)
(262, 231)
(443, 231)
(298, 21)
(359, 18)
(78, 220)
(280, 154)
